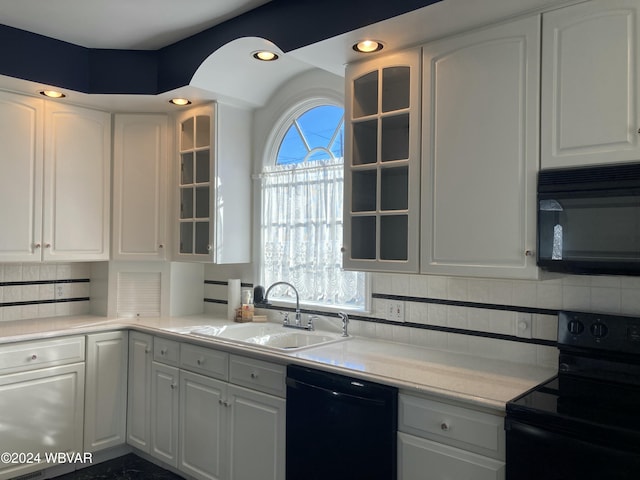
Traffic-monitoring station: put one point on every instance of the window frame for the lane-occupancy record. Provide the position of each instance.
(296, 108)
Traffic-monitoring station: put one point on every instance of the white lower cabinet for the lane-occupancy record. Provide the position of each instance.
(139, 391)
(257, 435)
(106, 391)
(421, 459)
(41, 401)
(164, 413)
(200, 423)
(438, 441)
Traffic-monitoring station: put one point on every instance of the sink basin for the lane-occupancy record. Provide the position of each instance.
(269, 335)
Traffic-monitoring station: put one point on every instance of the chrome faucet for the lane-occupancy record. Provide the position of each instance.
(345, 323)
(298, 318)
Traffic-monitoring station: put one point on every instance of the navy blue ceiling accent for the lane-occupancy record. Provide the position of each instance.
(290, 24)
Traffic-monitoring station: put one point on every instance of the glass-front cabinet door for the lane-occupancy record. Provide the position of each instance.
(195, 184)
(213, 177)
(382, 177)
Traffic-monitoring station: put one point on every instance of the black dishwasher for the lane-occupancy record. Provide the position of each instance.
(339, 428)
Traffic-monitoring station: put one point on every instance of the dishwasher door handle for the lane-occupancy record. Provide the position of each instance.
(335, 394)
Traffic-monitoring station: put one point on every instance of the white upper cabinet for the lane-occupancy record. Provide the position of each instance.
(590, 84)
(213, 176)
(54, 181)
(480, 152)
(21, 147)
(77, 183)
(139, 187)
(382, 164)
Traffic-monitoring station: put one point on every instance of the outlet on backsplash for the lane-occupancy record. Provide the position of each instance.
(62, 290)
(395, 310)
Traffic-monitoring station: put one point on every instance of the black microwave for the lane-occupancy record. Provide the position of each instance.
(589, 220)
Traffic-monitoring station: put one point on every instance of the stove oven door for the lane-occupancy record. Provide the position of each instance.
(535, 453)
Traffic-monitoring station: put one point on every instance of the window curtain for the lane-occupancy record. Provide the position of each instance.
(302, 234)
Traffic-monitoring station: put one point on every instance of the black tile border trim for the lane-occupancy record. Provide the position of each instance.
(225, 283)
(22, 283)
(437, 328)
(44, 302)
(459, 303)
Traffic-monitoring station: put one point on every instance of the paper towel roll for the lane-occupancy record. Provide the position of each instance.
(233, 298)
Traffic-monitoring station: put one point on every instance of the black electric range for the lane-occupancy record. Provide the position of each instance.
(584, 423)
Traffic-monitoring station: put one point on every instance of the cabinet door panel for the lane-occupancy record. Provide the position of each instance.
(20, 177)
(420, 459)
(164, 413)
(139, 391)
(203, 426)
(257, 425)
(41, 411)
(139, 197)
(106, 392)
(480, 152)
(590, 84)
(77, 184)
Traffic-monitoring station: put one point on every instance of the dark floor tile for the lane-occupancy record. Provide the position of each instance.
(127, 467)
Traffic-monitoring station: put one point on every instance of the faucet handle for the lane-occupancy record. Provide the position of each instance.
(285, 318)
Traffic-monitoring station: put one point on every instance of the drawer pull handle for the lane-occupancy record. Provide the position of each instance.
(254, 375)
(444, 426)
(34, 357)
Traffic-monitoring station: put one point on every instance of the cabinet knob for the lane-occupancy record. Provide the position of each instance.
(209, 248)
(36, 245)
(444, 426)
(528, 253)
(146, 350)
(200, 361)
(163, 351)
(639, 130)
(34, 357)
(254, 375)
(161, 246)
(47, 245)
(173, 386)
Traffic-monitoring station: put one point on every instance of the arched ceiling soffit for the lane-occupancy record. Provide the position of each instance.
(290, 24)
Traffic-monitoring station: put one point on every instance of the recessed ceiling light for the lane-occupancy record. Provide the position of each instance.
(52, 94)
(265, 56)
(180, 101)
(368, 46)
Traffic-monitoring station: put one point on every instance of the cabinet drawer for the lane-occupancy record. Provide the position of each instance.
(461, 427)
(166, 351)
(258, 375)
(204, 360)
(24, 356)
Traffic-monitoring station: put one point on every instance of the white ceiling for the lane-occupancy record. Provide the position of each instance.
(230, 74)
(120, 24)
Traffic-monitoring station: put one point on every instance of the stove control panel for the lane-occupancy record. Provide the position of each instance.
(615, 333)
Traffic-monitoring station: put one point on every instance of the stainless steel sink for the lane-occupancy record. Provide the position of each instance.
(269, 335)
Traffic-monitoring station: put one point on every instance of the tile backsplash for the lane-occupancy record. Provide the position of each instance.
(44, 290)
(477, 315)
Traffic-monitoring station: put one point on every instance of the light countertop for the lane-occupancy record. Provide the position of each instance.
(483, 383)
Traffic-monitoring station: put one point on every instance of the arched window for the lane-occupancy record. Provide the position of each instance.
(301, 218)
